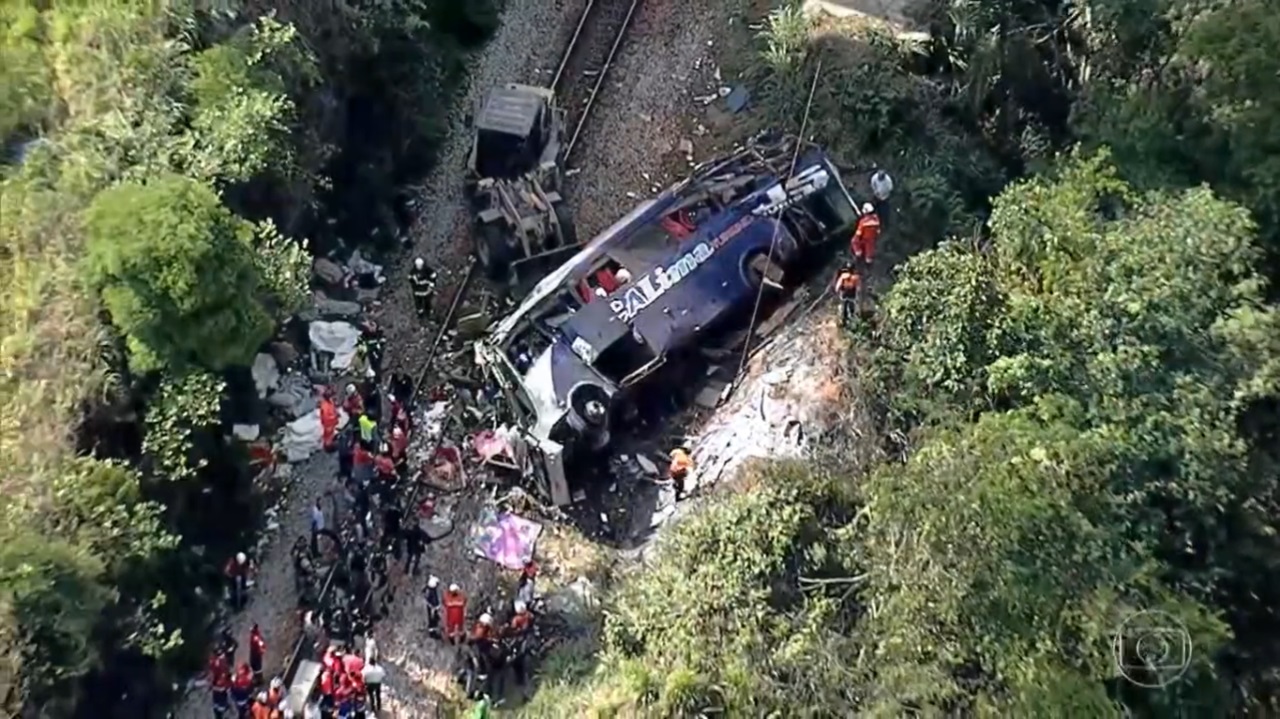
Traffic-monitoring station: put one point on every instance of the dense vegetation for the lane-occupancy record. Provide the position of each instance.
(1074, 396)
(160, 165)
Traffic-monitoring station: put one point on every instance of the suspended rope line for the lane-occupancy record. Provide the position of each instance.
(777, 227)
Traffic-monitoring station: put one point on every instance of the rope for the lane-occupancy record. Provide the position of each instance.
(773, 243)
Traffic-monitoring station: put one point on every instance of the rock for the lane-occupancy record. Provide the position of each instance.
(647, 465)
(685, 147)
(328, 271)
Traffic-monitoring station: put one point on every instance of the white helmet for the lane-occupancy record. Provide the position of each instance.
(433, 582)
(277, 682)
(486, 619)
(241, 558)
(371, 374)
(351, 389)
(455, 588)
(521, 607)
(262, 697)
(868, 208)
(419, 263)
(623, 275)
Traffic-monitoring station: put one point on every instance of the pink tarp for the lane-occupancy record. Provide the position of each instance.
(504, 538)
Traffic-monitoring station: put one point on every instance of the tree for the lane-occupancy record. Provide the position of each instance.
(1113, 349)
(175, 269)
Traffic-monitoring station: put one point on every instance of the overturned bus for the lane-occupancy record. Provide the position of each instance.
(592, 337)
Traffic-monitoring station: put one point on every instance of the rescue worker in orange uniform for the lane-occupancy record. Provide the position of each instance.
(483, 642)
(681, 466)
(328, 421)
(275, 696)
(847, 285)
(863, 243)
(260, 709)
(455, 614)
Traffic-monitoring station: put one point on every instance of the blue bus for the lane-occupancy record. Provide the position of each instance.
(657, 283)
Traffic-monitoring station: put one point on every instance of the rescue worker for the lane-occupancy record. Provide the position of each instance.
(374, 342)
(399, 446)
(392, 518)
(679, 469)
(328, 687)
(368, 431)
(220, 684)
(518, 630)
(402, 387)
(353, 402)
(400, 417)
(275, 694)
(361, 465)
(432, 596)
(328, 422)
(257, 651)
(863, 243)
(346, 445)
(227, 646)
(344, 696)
(847, 285)
(242, 690)
(455, 612)
(483, 642)
(238, 571)
(261, 709)
(422, 281)
(372, 395)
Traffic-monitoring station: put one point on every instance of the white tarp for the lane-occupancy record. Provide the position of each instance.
(302, 437)
(336, 338)
(266, 374)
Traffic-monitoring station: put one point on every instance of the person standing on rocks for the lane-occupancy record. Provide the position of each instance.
(847, 286)
(681, 466)
(865, 236)
(219, 684)
(328, 421)
(422, 282)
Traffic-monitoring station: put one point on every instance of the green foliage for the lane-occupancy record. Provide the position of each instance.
(869, 109)
(175, 268)
(182, 407)
(1107, 472)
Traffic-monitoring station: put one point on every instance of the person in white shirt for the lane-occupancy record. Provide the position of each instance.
(373, 675)
(881, 185)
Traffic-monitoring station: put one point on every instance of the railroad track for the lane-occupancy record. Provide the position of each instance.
(591, 51)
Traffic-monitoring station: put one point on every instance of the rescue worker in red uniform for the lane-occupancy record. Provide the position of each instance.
(261, 709)
(328, 687)
(483, 642)
(517, 632)
(455, 613)
(353, 404)
(847, 285)
(238, 572)
(242, 690)
(220, 683)
(257, 651)
(863, 243)
(679, 469)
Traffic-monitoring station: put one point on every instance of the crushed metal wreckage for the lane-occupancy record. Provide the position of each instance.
(605, 340)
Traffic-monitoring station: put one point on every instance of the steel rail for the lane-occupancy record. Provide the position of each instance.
(573, 45)
(600, 75)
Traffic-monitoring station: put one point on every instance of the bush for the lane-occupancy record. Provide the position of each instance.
(176, 268)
